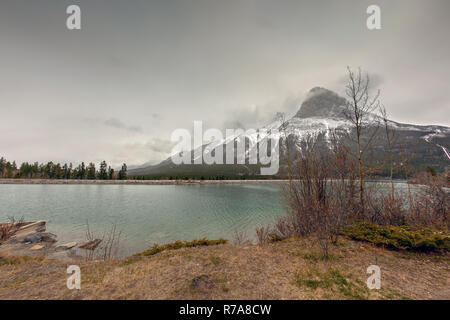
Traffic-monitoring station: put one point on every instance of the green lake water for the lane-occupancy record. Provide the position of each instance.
(148, 214)
(144, 214)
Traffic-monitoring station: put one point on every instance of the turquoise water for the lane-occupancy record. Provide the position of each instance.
(144, 214)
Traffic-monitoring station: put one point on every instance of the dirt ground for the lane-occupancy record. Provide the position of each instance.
(286, 270)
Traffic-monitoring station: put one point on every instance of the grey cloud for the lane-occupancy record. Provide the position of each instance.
(154, 66)
(258, 116)
(155, 145)
(152, 151)
(160, 145)
(376, 80)
(116, 123)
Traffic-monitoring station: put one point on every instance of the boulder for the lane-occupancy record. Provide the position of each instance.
(66, 246)
(37, 226)
(37, 247)
(28, 230)
(91, 245)
(48, 237)
(33, 238)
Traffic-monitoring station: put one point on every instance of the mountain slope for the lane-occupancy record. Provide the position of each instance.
(322, 114)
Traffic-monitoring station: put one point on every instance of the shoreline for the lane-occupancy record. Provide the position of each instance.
(152, 182)
(136, 182)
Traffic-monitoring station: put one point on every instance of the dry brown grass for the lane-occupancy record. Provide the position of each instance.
(7, 229)
(259, 272)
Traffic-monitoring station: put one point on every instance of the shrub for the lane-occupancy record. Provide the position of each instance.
(322, 197)
(180, 244)
(399, 237)
(386, 209)
(263, 234)
(8, 229)
(240, 237)
(430, 204)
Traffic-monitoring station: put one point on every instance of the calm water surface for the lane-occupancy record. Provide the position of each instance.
(144, 214)
(148, 214)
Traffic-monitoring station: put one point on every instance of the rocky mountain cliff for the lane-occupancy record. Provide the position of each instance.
(322, 113)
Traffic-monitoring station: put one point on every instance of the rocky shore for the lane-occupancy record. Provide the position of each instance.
(30, 239)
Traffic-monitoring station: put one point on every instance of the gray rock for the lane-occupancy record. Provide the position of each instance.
(66, 246)
(322, 102)
(34, 237)
(91, 245)
(37, 247)
(48, 237)
(28, 230)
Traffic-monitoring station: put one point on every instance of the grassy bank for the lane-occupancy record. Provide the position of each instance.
(289, 269)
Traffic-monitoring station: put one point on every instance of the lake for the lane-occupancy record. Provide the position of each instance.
(144, 214)
(148, 214)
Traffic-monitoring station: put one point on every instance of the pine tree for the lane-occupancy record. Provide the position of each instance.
(65, 170)
(35, 169)
(81, 171)
(103, 174)
(2, 166)
(123, 172)
(91, 174)
(9, 169)
(58, 171)
(110, 173)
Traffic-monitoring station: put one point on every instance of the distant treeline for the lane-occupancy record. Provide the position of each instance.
(52, 170)
(205, 177)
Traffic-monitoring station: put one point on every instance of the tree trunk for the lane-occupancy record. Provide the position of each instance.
(291, 196)
(361, 173)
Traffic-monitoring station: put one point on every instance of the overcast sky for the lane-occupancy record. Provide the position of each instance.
(137, 70)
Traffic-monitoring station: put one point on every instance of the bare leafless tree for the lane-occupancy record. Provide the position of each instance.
(360, 107)
(111, 243)
(322, 204)
(240, 237)
(106, 247)
(405, 157)
(263, 234)
(283, 127)
(390, 137)
(431, 200)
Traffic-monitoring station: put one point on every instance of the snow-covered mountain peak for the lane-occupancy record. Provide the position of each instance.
(323, 114)
(323, 103)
